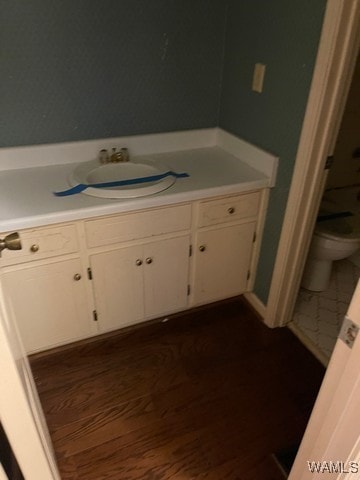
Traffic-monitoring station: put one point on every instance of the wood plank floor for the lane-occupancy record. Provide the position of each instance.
(208, 395)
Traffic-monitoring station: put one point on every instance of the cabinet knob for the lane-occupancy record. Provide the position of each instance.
(138, 262)
(149, 260)
(34, 248)
(231, 210)
(202, 248)
(77, 277)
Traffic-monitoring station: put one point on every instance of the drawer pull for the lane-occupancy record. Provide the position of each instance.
(149, 260)
(11, 241)
(34, 248)
(77, 277)
(138, 262)
(231, 210)
(202, 248)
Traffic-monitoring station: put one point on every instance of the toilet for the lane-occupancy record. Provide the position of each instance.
(333, 239)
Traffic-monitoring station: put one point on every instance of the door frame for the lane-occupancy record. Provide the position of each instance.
(337, 53)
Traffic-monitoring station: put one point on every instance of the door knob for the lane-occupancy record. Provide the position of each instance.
(149, 260)
(202, 248)
(11, 242)
(77, 277)
(138, 262)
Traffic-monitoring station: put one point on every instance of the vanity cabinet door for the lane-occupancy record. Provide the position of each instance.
(222, 259)
(166, 267)
(118, 287)
(49, 303)
(132, 284)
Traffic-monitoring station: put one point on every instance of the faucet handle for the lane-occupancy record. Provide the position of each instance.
(103, 156)
(125, 154)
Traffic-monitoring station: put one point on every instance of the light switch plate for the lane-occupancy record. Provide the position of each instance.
(258, 77)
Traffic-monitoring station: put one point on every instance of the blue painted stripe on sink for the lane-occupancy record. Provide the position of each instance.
(120, 183)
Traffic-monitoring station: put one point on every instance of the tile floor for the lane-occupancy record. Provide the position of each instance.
(319, 315)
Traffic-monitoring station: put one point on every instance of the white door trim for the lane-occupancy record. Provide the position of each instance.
(20, 410)
(331, 81)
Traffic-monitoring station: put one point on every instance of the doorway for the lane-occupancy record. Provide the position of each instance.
(339, 45)
(318, 315)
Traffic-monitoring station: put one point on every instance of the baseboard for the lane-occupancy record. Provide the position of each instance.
(255, 303)
(308, 344)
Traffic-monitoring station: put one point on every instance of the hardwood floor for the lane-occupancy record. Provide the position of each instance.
(208, 395)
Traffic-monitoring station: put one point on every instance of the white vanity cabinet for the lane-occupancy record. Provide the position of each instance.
(224, 246)
(139, 264)
(72, 281)
(44, 286)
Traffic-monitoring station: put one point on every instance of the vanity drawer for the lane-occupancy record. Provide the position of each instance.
(229, 209)
(133, 226)
(41, 243)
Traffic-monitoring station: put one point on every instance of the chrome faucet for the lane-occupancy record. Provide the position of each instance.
(116, 156)
(119, 156)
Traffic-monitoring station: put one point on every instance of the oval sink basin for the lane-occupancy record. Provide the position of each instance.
(135, 178)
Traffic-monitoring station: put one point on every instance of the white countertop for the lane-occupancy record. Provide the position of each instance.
(27, 199)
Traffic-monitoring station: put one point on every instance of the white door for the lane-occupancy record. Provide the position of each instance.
(49, 303)
(330, 447)
(118, 287)
(20, 410)
(166, 270)
(222, 260)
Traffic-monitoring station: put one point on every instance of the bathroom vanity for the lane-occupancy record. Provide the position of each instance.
(89, 265)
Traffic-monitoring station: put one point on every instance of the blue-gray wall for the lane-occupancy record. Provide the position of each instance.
(284, 35)
(80, 69)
